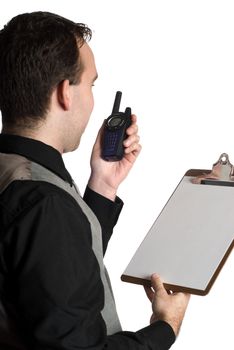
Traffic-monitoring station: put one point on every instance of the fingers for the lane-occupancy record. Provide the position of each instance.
(133, 128)
(132, 152)
(131, 140)
(186, 297)
(158, 286)
(132, 146)
(149, 292)
(131, 143)
(168, 307)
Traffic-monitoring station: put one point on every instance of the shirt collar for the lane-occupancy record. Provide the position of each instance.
(36, 151)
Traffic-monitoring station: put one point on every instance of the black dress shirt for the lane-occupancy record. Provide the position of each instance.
(48, 271)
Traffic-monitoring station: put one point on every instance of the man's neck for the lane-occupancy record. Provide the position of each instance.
(36, 133)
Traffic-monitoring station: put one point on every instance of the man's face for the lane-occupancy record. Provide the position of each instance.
(82, 96)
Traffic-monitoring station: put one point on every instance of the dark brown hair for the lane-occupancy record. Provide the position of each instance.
(38, 50)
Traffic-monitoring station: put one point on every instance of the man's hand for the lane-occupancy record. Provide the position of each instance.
(166, 307)
(106, 176)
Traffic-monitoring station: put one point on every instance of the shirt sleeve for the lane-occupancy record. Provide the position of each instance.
(106, 211)
(56, 284)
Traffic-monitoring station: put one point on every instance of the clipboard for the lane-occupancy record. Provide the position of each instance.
(192, 237)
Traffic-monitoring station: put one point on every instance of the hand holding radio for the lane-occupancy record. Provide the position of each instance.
(107, 174)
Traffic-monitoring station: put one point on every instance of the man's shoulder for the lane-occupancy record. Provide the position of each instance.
(21, 195)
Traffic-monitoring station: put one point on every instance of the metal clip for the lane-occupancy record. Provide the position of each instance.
(222, 170)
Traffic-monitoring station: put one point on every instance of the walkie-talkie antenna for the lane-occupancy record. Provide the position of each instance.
(116, 106)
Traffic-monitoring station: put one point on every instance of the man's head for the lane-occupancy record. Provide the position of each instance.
(38, 51)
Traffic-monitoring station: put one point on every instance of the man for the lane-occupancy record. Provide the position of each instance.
(54, 289)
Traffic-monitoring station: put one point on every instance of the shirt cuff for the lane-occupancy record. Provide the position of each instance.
(160, 333)
(106, 210)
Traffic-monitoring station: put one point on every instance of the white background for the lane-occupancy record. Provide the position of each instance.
(174, 62)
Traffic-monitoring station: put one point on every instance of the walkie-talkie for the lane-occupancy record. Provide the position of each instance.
(115, 131)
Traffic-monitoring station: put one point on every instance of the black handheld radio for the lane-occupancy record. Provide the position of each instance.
(115, 131)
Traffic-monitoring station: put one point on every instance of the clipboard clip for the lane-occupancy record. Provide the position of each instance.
(222, 171)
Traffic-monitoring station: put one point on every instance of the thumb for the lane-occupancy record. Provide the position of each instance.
(158, 285)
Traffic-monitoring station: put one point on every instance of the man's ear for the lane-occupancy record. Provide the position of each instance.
(64, 94)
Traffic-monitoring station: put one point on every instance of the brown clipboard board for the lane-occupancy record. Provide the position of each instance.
(177, 252)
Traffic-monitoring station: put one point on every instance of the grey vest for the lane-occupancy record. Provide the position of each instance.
(15, 167)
